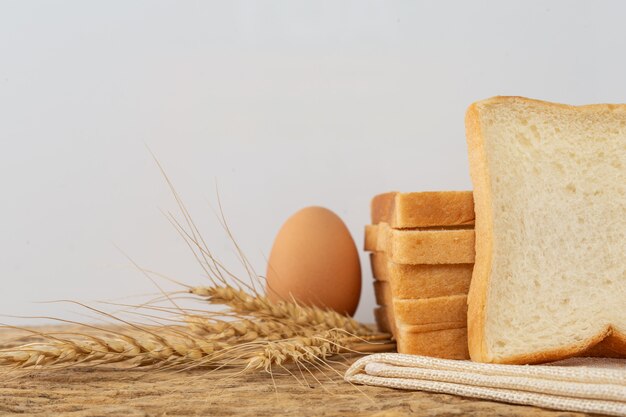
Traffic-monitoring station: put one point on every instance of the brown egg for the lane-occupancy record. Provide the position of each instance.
(315, 261)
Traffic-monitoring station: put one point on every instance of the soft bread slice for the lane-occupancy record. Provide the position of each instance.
(550, 201)
(421, 281)
(423, 209)
(446, 246)
(452, 308)
(448, 342)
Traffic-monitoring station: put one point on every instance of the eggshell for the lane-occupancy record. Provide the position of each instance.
(315, 261)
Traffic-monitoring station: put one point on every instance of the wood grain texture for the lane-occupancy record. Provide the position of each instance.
(113, 392)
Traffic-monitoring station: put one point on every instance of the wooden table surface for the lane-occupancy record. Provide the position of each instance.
(115, 392)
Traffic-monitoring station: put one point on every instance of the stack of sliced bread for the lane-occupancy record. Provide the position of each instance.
(422, 259)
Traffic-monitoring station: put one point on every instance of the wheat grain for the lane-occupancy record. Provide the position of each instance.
(172, 346)
(278, 333)
(300, 350)
(166, 346)
(243, 303)
(244, 330)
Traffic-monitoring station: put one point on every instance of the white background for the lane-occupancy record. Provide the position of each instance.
(283, 103)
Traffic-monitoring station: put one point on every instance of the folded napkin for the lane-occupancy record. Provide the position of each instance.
(591, 385)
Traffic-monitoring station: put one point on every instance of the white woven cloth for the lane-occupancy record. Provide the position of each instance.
(590, 385)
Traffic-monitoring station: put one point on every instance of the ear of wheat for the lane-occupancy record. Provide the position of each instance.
(264, 334)
(258, 305)
(253, 333)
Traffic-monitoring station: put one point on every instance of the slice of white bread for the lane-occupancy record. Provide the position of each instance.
(421, 281)
(549, 280)
(423, 209)
(444, 246)
(438, 341)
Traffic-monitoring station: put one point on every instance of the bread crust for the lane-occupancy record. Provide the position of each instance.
(452, 308)
(422, 315)
(611, 340)
(445, 246)
(423, 209)
(382, 320)
(449, 343)
(382, 293)
(444, 340)
(430, 327)
(421, 281)
(370, 241)
(613, 346)
(477, 294)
